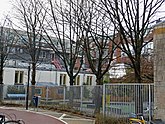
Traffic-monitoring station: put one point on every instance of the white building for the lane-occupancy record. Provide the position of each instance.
(17, 74)
(117, 71)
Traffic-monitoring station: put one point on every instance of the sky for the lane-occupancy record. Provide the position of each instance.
(5, 7)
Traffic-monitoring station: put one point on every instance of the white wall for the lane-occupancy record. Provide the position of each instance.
(45, 76)
(41, 76)
(9, 75)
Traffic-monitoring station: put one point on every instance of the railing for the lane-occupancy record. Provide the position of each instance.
(122, 99)
(117, 100)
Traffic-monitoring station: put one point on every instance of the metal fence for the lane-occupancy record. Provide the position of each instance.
(121, 99)
(117, 100)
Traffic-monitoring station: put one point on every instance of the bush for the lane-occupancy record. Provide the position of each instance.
(110, 120)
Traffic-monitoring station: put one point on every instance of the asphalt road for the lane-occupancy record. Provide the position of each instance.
(30, 117)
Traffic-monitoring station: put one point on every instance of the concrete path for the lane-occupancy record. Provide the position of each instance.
(30, 117)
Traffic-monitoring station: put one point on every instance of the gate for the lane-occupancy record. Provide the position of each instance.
(120, 100)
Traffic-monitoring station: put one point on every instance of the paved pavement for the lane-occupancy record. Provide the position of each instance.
(30, 117)
(42, 116)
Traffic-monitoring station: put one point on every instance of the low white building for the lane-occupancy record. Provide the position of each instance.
(117, 71)
(45, 73)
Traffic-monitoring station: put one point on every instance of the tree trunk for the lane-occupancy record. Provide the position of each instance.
(71, 92)
(33, 81)
(98, 96)
(1, 75)
(97, 99)
(32, 89)
(138, 88)
(1, 71)
(1, 83)
(1, 92)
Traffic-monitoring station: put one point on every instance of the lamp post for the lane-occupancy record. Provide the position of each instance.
(27, 93)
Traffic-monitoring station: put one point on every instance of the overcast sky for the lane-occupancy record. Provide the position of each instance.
(5, 7)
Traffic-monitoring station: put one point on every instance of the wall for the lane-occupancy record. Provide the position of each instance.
(41, 76)
(9, 75)
(159, 69)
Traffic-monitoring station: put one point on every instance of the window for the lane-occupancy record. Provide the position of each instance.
(62, 79)
(89, 80)
(19, 50)
(77, 81)
(52, 56)
(16, 77)
(43, 54)
(19, 77)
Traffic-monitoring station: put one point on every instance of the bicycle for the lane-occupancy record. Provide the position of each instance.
(8, 120)
(137, 119)
(14, 122)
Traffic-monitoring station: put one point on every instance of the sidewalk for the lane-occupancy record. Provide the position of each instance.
(41, 116)
(70, 119)
(30, 117)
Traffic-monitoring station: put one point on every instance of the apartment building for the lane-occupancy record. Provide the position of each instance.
(49, 70)
(122, 62)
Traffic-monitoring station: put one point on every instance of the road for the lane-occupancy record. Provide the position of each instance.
(30, 117)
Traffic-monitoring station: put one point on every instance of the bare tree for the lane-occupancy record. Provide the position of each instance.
(131, 18)
(7, 41)
(98, 47)
(64, 36)
(30, 16)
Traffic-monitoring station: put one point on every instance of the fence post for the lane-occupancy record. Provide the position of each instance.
(64, 87)
(104, 97)
(81, 97)
(47, 94)
(150, 109)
